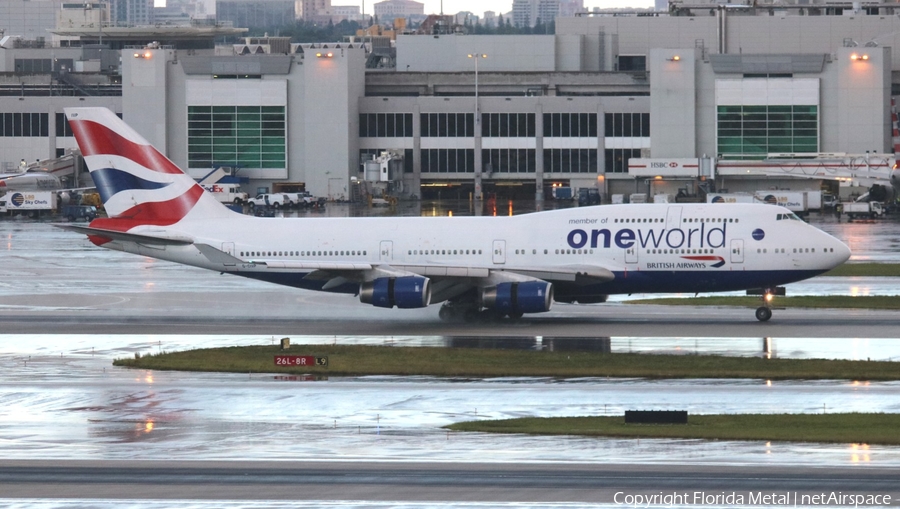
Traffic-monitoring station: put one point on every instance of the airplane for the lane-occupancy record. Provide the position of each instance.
(478, 267)
(30, 181)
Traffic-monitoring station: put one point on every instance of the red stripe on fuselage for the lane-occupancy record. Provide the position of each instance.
(703, 258)
(160, 213)
(97, 139)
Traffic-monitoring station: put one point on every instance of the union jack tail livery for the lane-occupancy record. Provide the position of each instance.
(138, 185)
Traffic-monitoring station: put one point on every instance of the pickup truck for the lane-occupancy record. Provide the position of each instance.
(270, 200)
(304, 200)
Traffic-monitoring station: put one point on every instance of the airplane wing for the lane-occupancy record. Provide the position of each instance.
(140, 238)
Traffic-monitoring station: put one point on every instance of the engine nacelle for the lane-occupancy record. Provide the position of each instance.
(405, 292)
(517, 298)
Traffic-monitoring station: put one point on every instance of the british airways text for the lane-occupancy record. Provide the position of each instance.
(674, 238)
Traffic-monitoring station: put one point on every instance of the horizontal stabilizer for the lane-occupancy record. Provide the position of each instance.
(128, 237)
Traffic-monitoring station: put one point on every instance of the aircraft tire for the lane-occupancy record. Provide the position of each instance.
(470, 315)
(763, 314)
(516, 315)
(446, 314)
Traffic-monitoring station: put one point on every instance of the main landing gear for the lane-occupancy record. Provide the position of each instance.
(764, 312)
(469, 312)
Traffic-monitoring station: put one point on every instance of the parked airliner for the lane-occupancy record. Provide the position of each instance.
(497, 266)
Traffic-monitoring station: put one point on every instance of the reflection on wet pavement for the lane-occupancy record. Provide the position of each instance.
(61, 398)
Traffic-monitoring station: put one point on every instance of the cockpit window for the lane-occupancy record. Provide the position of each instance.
(790, 216)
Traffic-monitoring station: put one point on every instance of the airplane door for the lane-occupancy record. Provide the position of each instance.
(737, 251)
(228, 248)
(499, 255)
(631, 254)
(387, 251)
(673, 218)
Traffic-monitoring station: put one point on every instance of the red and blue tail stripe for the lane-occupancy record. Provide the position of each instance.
(138, 185)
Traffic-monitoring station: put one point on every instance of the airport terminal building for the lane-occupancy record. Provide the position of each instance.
(713, 83)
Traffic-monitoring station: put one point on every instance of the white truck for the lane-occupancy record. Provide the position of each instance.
(863, 210)
(731, 198)
(276, 201)
(795, 201)
(30, 200)
(227, 193)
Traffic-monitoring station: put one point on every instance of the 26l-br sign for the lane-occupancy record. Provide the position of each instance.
(300, 360)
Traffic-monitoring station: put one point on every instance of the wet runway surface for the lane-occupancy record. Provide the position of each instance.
(60, 398)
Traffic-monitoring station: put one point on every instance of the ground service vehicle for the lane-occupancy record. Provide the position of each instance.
(863, 210)
(227, 193)
(276, 201)
(478, 267)
(79, 212)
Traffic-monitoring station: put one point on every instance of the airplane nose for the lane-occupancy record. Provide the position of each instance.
(841, 252)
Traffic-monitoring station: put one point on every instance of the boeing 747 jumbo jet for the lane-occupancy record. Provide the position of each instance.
(496, 266)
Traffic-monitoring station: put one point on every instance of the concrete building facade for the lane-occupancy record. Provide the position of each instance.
(570, 109)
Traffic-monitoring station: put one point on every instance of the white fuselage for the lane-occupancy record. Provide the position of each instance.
(650, 248)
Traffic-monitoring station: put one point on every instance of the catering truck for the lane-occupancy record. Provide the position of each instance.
(795, 201)
(731, 198)
(30, 200)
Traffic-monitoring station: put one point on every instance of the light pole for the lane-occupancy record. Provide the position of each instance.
(476, 135)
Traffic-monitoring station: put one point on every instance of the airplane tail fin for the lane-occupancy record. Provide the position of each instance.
(138, 184)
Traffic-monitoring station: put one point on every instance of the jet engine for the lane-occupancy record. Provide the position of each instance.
(404, 292)
(518, 298)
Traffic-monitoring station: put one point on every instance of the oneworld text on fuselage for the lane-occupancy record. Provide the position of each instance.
(672, 238)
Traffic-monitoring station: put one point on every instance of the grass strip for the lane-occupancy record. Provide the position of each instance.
(851, 428)
(802, 301)
(359, 360)
(865, 269)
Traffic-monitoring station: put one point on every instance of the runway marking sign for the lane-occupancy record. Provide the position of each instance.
(301, 360)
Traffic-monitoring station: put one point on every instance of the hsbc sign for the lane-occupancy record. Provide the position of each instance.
(664, 167)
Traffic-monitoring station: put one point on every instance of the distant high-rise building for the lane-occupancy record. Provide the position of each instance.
(568, 8)
(526, 13)
(348, 12)
(390, 9)
(28, 18)
(489, 19)
(131, 12)
(310, 9)
(256, 13)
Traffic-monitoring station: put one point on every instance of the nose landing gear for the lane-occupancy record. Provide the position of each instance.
(764, 312)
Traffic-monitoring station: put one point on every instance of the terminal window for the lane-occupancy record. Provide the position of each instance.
(447, 125)
(616, 159)
(752, 132)
(385, 125)
(450, 160)
(27, 125)
(508, 160)
(626, 125)
(240, 136)
(570, 125)
(508, 125)
(570, 160)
